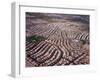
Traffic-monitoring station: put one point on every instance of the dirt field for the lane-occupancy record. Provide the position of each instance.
(56, 39)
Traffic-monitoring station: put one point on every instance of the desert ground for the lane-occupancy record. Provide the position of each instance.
(57, 39)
